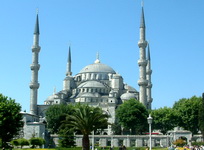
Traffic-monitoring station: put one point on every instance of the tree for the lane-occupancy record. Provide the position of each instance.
(55, 114)
(133, 115)
(164, 119)
(87, 119)
(67, 138)
(201, 117)
(116, 128)
(10, 119)
(187, 110)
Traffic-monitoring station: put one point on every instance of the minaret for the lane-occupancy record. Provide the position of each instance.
(68, 81)
(69, 63)
(34, 85)
(142, 62)
(148, 76)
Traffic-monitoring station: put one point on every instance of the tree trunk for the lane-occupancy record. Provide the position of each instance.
(85, 142)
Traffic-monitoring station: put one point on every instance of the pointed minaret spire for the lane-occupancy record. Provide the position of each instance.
(148, 52)
(34, 85)
(37, 30)
(142, 62)
(148, 76)
(142, 20)
(69, 63)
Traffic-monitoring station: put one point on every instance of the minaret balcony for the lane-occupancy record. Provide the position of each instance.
(36, 48)
(34, 85)
(142, 43)
(149, 85)
(150, 100)
(149, 72)
(142, 62)
(142, 82)
(34, 66)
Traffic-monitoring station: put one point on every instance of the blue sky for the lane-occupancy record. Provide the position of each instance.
(110, 27)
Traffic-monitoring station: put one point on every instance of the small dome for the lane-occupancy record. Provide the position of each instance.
(91, 84)
(52, 97)
(130, 88)
(97, 67)
(127, 96)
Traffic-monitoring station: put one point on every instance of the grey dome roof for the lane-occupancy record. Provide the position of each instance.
(91, 84)
(127, 96)
(97, 67)
(130, 88)
(52, 97)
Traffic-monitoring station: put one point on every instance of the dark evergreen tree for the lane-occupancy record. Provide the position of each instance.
(67, 138)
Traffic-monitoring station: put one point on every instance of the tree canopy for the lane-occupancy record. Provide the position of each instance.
(55, 114)
(187, 110)
(87, 119)
(133, 115)
(10, 119)
(165, 119)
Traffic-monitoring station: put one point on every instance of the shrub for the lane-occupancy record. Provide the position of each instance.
(197, 143)
(0, 142)
(179, 142)
(15, 142)
(36, 142)
(23, 142)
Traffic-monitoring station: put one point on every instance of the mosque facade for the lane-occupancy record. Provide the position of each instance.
(97, 85)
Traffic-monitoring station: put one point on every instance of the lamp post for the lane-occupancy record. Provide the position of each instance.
(149, 120)
(93, 140)
(43, 136)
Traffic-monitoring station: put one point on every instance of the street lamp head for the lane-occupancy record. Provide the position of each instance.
(149, 119)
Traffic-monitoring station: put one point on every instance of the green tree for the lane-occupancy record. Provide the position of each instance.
(67, 138)
(55, 114)
(133, 115)
(10, 119)
(201, 117)
(87, 119)
(187, 111)
(116, 128)
(165, 119)
(36, 141)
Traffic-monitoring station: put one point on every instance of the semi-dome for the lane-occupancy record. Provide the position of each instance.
(97, 67)
(127, 96)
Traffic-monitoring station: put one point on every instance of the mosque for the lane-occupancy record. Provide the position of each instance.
(97, 85)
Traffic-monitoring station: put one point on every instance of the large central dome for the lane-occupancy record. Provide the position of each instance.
(97, 67)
